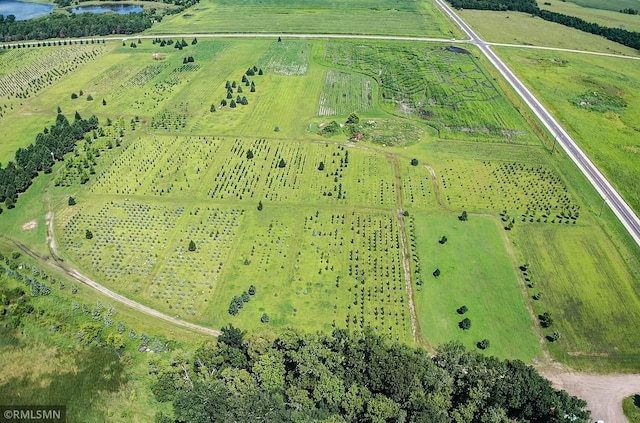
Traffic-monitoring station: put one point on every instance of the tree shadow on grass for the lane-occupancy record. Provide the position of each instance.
(97, 370)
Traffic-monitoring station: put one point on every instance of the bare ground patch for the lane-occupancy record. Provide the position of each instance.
(29, 226)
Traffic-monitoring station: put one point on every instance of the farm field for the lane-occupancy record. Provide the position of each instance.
(610, 18)
(607, 5)
(413, 17)
(596, 100)
(476, 271)
(523, 29)
(289, 205)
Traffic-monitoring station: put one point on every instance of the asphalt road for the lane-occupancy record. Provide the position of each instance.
(604, 188)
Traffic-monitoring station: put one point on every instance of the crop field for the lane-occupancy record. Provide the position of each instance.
(345, 93)
(305, 16)
(590, 292)
(477, 272)
(598, 98)
(523, 29)
(442, 85)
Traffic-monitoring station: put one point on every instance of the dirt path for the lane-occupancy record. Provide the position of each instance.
(603, 393)
(75, 274)
(404, 250)
(436, 185)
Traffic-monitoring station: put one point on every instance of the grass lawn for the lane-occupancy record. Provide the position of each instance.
(631, 407)
(521, 28)
(305, 16)
(476, 271)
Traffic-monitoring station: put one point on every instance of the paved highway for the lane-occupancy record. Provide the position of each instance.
(606, 190)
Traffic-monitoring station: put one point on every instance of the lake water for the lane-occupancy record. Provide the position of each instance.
(121, 9)
(23, 10)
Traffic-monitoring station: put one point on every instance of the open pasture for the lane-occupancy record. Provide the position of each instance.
(591, 293)
(598, 101)
(477, 272)
(305, 16)
(345, 93)
(319, 269)
(444, 86)
(524, 192)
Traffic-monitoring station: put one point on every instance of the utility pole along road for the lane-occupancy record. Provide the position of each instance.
(604, 188)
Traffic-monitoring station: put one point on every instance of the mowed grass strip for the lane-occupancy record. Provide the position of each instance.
(589, 291)
(476, 271)
(305, 16)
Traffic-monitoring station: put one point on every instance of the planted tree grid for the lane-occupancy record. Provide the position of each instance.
(524, 192)
(39, 70)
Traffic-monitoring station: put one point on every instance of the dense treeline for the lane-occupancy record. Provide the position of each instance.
(81, 25)
(345, 377)
(50, 145)
(618, 35)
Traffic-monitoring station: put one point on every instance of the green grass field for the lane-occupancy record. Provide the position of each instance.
(523, 29)
(304, 16)
(587, 289)
(476, 271)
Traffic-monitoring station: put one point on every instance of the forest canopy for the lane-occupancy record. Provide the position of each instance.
(352, 377)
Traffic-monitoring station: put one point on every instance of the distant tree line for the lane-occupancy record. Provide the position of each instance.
(59, 25)
(72, 26)
(618, 35)
(50, 145)
(353, 377)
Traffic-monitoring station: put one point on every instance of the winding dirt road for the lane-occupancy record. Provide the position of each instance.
(76, 275)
